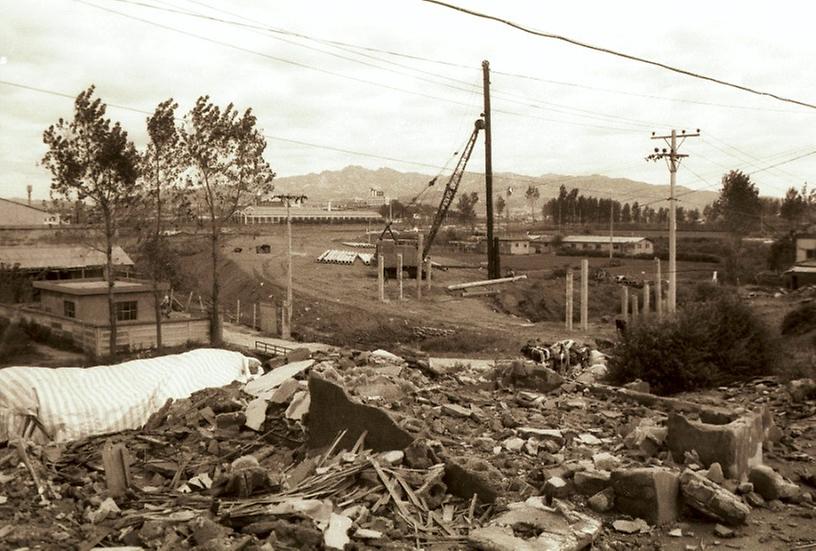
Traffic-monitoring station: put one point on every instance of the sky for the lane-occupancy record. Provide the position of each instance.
(324, 73)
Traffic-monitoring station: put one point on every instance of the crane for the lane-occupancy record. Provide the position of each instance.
(389, 250)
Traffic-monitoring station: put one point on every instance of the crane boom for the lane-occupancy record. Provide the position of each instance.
(452, 186)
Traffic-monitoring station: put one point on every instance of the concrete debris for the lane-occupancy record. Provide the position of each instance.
(256, 413)
(603, 501)
(605, 461)
(455, 410)
(649, 493)
(591, 482)
(802, 389)
(723, 531)
(715, 474)
(711, 500)
(736, 446)
(529, 528)
(638, 386)
(467, 476)
(299, 406)
(528, 374)
(646, 438)
(265, 385)
(772, 485)
(636, 526)
(336, 535)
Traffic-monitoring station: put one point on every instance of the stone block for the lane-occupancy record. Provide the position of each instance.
(736, 446)
(530, 375)
(332, 411)
(589, 483)
(652, 494)
(772, 485)
(712, 500)
(466, 476)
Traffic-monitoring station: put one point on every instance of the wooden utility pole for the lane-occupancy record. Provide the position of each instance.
(625, 302)
(569, 293)
(611, 227)
(491, 253)
(635, 308)
(286, 317)
(420, 239)
(647, 299)
(381, 277)
(673, 161)
(399, 275)
(584, 294)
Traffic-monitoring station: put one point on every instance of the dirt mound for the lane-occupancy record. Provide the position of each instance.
(545, 300)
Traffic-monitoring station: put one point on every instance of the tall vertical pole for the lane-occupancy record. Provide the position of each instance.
(647, 299)
(420, 239)
(399, 275)
(635, 308)
(584, 294)
(428, 273)
(254, 315)
(611, 226)
(288, 312)
(625, 302)
(491, 263)
(673, 226)
(381, 277)
(569, 293)
(658, 290)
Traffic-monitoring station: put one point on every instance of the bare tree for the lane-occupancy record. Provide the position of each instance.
(92, 160)
(224, 153)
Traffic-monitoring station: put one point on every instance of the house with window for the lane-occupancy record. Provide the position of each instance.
(77, 310)
(621, 245)
(805, 247)
(16, 213)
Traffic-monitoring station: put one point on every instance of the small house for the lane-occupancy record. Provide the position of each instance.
(805, 247)
(800, 274)
(621, 245)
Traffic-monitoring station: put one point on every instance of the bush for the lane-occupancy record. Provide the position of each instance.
(800, 320)
(709, 343)
(13, 339)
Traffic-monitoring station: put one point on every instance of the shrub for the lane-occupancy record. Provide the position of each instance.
(13, 340)
(800, 320)
(708, 343)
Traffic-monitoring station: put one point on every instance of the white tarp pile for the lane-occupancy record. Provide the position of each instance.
(71, 403)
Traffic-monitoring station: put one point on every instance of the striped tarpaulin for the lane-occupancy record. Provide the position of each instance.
(73, 403)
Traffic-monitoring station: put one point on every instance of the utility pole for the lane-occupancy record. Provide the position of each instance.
(491, 253)
(611, 227)
(286, 318)
(673, 161)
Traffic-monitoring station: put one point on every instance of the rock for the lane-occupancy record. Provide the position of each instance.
(394, 457)
(455, 410)
(646, 438)
(331, 411)
(745, 488)
(421, 455)
(802, 389)
(299, 406)
(589, 483)
(736, 446)
(588, 439)
(298, 355)
(772, 485)
(508, 421)
(206, 530)
(553, 435)
(754, 499)
(649, 493)
(389, 392)
(466, 476)
(676, 532)
(106, 509)
(636, 526)
(723, 532)
(557, 487)
(603, 501)
(513, 444)
(715, 474)
(336, 535)
(710, 499)
(230, 420)
(284, 392)
(595, 373)
(560, 530)
(367, 534)
(265, 385)
(638, 386)
(529, 374)
(256, 413)
(605, 461)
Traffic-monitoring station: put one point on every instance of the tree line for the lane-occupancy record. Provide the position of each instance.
(207, 164)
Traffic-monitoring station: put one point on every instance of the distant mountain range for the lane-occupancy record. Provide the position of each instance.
(355, 182)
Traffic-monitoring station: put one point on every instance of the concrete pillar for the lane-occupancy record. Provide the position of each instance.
(381, 277)
(647, 299)
(625, 302)
(568, 313)
(428, 273)
(420, 245)
(585, 295)
(399, 275)
(658, 290)
(635, 309)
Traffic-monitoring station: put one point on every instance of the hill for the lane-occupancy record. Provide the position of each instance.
(357, 182)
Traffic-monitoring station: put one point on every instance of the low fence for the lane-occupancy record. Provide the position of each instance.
(94, 339)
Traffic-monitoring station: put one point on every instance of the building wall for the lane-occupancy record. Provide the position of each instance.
(805, 248)
(94, 308)
(15, 214)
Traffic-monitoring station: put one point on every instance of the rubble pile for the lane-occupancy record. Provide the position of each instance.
(372, 450)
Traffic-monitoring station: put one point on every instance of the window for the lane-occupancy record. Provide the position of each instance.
(126, 311)
(69, 308)
(810, 253)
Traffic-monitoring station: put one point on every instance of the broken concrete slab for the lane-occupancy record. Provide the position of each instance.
(712, 500)
(529, 374)
(736, 446)
(284, 392)
(772, 485)
(554, 435)
(455, 410)
(336, 534)
(299, 406)
(447, 365)
(256, 414)
(603, 501)
(553, 530)
(636, 526)
(646, 438)
(649, 493)
(266, 384)
(332, 411)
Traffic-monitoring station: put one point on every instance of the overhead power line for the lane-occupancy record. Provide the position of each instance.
(620, 54)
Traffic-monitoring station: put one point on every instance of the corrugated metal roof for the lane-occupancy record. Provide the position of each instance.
(601, 239)
(60, 257)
